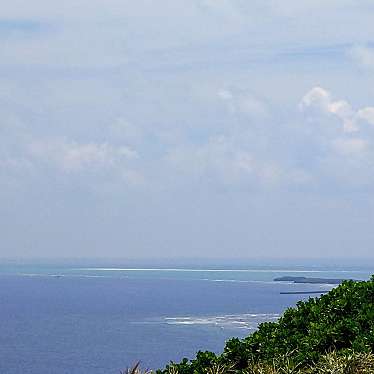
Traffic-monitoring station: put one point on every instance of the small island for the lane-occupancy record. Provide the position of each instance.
(306, 280)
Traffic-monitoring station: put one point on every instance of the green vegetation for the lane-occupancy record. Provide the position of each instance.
(331, 363)
(330, 334)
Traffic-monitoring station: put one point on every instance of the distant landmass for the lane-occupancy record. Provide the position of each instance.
(309, 280)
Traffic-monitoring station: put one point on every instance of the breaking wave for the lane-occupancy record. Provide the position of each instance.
(248, 321)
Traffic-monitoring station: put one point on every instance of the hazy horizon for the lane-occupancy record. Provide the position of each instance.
(194, 262)
(187, 129)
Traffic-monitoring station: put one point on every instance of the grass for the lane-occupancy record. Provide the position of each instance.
(331, 363)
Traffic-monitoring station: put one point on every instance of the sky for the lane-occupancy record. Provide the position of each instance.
(199, 128)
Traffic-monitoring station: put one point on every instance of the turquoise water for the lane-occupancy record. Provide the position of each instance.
(263, 274)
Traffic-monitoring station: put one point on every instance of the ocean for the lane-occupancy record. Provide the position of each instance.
(94, 319)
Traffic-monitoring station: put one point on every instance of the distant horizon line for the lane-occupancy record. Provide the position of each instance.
(145, 262)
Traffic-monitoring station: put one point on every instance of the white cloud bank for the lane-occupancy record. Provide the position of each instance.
(74, 157)
(243, 103)
(224, 161)
(346, 152)
(321, 100)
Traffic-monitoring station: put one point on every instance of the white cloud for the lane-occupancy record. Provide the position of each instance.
(321, 100)
(74, 157)
(366, 114)
(342, 153)
(243, 102)
(223, 160)
(316, 97)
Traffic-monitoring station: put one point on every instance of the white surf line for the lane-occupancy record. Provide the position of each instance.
(248, 320)
(61, 275)
(221, 270)
(226, 316)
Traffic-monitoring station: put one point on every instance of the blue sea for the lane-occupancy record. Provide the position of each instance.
(86, 318)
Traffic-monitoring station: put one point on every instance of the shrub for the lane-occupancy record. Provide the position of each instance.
(341, 321)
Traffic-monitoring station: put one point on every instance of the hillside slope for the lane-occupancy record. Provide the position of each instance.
(342, 322)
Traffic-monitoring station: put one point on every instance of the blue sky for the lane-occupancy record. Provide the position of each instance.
(198, 128)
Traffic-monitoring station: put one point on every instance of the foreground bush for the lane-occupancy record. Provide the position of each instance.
(341, 321)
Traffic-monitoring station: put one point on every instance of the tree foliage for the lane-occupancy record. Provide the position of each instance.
(341, 321)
